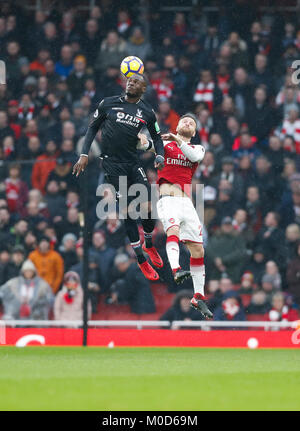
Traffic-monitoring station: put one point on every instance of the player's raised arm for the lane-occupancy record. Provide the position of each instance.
(195, 153)
(95, 123)
(154, 131)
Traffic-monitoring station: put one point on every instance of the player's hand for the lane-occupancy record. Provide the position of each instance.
(159, 162)
(80, 165)
(171, 137)
(143, 140)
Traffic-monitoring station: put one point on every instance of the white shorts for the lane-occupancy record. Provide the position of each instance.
(180, 211)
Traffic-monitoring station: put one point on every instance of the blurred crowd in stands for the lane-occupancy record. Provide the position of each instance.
(233, 69)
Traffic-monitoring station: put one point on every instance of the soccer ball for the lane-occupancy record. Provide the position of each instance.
(131, 65)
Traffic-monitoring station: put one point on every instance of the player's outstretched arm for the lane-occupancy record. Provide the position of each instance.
(194, 153)
(98, 118)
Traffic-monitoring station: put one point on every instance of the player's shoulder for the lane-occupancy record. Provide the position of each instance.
(110, 100)
(146, 107)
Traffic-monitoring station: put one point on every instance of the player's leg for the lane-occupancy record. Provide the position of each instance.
(138, 176)
(132, 231)
(172, 249)
(148, 224)
(169, 209)
(191, 234)
(197, 269)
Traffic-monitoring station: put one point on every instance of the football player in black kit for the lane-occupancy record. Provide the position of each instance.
(121, 118)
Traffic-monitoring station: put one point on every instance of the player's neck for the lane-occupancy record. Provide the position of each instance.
(131, 99)
(184, 138)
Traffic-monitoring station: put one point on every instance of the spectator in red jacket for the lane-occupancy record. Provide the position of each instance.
(16, 190)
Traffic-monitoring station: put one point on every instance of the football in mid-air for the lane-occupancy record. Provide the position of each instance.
(131, 65)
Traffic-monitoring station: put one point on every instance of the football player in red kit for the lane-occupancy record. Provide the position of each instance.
(175, 208)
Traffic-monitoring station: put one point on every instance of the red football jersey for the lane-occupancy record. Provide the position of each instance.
(178, 168)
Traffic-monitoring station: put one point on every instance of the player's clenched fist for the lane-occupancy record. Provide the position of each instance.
(80, 165)
(172, 137)
(159, 162)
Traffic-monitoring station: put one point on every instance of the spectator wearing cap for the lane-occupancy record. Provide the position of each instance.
(62, 173)
(49, 263)
(44, 164)
(181, 308)
(131, 287)
(27, 296)
(77, 77)
(68, 304)
(226, 252)
(229, 174)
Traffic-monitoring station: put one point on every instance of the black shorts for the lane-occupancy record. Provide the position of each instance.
(133, 173)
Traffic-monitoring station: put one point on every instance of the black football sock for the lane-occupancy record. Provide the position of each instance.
(148, 226)
(134, 238)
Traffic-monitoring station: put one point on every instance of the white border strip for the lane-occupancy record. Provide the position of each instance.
(206, 324)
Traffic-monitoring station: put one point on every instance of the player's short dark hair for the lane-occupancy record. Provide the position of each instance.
(190, 115)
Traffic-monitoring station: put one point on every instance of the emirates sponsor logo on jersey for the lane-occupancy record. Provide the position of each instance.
(179, 162)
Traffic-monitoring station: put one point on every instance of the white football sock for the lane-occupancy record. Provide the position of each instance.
(172, 248)
(197, 269)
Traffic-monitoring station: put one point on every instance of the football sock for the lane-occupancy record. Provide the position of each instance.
(134, 238)
(197, 269)
(148, 239)
(172, 248)
(138, 251)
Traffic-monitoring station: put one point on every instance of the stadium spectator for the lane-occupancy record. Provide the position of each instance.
(293, 276)
(181, 309)
(280, 311)
(49, 263)
(27, 296)
(131, 287)
(68, 304)
(231, 308)
(259, 303)
(226, 252)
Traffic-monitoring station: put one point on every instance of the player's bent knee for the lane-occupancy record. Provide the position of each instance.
(196, 250)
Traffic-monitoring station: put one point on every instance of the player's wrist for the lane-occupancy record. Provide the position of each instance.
(84, 155)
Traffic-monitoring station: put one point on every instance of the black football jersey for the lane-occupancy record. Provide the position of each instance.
(120, 122)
